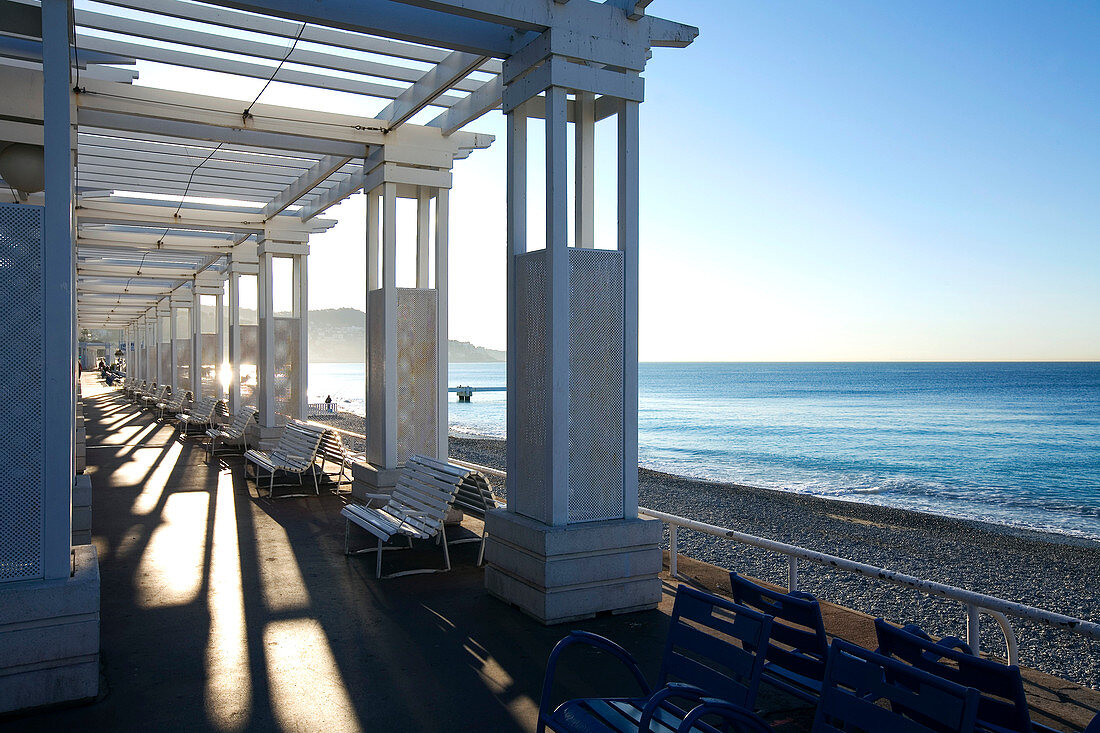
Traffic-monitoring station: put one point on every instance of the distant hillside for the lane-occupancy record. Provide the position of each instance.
(339, 335)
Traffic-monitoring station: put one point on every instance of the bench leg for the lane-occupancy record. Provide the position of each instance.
(378, 560)
(446, 552)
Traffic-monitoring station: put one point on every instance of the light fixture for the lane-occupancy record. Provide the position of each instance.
(22, 167)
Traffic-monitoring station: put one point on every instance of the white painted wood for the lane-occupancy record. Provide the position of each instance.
(173, 357)
(58, 370)
(442, 280)
(301, 312)
(423, 234)
(389, 287)
(196, 342)
(235, 341)
(584, 187)
(304, 184)
(557, 242)
(628, 188)
(432, 86)
(476, 104)
(219, 359)
(265, 367)
(517, 245)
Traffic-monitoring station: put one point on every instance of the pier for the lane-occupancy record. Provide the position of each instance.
(466, 393)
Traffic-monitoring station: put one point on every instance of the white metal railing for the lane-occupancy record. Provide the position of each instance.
(323, 407)
(975, 603)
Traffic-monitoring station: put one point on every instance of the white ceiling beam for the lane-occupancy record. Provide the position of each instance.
(288, 228)
(192, 155)
(304, 184)
(285, 74)
(283, 28)
(431, 86)
(289, 126)
(260, 49)
(475, 105)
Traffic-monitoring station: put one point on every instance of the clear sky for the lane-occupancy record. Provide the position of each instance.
(831, 181)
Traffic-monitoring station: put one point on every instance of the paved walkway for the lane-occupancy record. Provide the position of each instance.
(224, 610)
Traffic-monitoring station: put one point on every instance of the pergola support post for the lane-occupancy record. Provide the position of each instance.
(406, 350)
(572, 510)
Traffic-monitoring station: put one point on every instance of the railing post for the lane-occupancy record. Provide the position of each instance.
(672, 550)
(792, 573)
(973, 637)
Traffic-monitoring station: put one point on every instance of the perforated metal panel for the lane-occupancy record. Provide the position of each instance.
(21, 391)
(532, 387)
(596, 382)
(164, 359)
(183, 364)
(595, 385)
(287, 337)
(417, 374)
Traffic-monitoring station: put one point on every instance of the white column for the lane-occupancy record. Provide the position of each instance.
(173, 357)
(235, 341)
(628, 244)
(423, 234)
(219, 348)
(58, 369)
(557, 221)
(585, 170)
(389, 288)
(265, 366)
(372, 284)
(301, 311)
(442, 230)
(196, 342)
(517, 245)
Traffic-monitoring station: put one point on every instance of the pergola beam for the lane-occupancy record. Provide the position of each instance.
(430, 87)
(304, 184)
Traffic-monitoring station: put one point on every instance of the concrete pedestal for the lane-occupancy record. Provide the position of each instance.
(559, 574)
(49, 637)
(82, 510)
(366, 478)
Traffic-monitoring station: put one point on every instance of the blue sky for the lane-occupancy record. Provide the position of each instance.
(826, 181)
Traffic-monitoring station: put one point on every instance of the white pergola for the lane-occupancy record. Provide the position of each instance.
(157, 203)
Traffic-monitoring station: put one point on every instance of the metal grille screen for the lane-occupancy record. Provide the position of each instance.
(417, 370)
(21, 348)
(595, 385)
(532, 387)
(164, 360)
(417, 374)
(287, 332)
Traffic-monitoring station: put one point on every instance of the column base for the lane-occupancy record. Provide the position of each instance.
(266, 438)
(49, 637)
(82, 510)
(367, 478)
(560, 574)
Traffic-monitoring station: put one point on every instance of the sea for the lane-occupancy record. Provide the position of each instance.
(1016, 444)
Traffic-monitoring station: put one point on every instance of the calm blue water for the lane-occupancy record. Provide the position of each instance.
(1016, 444)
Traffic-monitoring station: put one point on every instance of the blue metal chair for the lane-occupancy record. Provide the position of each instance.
(798, 646)
(867, 691)
(709, 660)
(1003, 707)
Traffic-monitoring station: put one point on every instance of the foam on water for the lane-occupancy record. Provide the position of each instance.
(1015, 444)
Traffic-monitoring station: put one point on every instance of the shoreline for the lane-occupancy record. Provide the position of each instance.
(1048, 570)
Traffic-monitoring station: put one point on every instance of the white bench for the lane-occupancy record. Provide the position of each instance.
(235, 432)
(333, 450)
(295, 453)
(151, 399)
(416, 509)
(200, 416)
(174, 404)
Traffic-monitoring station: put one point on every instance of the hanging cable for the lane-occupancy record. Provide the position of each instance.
(248, 110)
(187, 188)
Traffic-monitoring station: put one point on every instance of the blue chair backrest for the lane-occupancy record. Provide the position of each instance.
(713, 643)
(858, 682)
(797, 626)
(1002, 689)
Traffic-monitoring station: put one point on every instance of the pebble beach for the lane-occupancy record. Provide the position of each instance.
(1055, 572)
